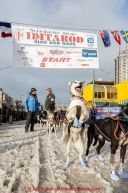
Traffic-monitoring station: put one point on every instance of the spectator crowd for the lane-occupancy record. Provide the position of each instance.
(9, 114)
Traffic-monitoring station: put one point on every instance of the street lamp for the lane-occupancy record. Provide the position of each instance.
(21, 96)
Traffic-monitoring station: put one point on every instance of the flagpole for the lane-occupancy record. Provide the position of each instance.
(93, 85)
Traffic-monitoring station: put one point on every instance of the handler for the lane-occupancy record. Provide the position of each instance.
(31, 107)
(50, 100)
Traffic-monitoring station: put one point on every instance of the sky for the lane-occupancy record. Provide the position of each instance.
(75, 14)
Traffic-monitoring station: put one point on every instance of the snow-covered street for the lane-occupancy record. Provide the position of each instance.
(29, 161)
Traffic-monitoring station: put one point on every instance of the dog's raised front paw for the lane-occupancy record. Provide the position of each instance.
(76, 122)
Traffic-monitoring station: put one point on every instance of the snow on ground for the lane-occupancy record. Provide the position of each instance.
(29, 161)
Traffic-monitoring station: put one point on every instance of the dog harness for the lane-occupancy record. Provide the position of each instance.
(76, 102)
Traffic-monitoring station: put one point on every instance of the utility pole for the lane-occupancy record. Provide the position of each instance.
(93, 79)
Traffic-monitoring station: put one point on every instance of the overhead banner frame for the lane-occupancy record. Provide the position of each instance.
(50, 48)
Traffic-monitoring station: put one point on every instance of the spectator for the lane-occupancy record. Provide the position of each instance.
(0, 116)
(31, 107)
(10, 114)
(93, 114)
(106, 103)
(4, 114)
(50, 100)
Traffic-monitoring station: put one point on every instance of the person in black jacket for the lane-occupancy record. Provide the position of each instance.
(93, 114)
(50, 100)
(106, 103)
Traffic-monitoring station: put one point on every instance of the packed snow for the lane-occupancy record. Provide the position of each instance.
(30, 162)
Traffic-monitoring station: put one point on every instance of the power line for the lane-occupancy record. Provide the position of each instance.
(108, 74)
(5, 67)
(42, 19)
(88, 27)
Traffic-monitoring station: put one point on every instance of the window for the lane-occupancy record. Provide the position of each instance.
(95, 95)
(99, 91)
(112, 92)
(99, 94)
(108, 95)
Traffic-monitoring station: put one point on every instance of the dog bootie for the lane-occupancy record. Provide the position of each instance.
(49, 137)
(83, 164)
(60, 135)
(124, 174)
(101, 158)
(65, 166)
(79, 125)
(114, 176)
(85, 159)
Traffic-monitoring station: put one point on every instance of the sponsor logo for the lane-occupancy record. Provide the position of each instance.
(89, 53)
(84, 64)
(21, 50)
(26, 58)
(42, 64)
(73, 52)
(81, 60)
(69, 65)
(56, 52)
(26, 64)
(55, 65)
(90, 40)
(40, 53)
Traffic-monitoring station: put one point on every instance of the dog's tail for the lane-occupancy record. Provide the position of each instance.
(96, 139)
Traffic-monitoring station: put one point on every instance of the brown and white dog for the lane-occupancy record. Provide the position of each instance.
(76, 116)
(51, 124)
(41, 121)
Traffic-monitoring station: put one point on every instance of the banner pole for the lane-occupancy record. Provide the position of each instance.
(93, 79)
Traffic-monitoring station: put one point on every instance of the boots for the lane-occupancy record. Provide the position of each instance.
(26, 129)
(31, 129)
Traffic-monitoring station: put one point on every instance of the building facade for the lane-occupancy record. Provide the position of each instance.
(122, 92)
(5, 99)
(103, 90)
(63, 107)
(121, 67)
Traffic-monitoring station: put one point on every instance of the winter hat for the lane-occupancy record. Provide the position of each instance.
(49, 89)
(33, 89)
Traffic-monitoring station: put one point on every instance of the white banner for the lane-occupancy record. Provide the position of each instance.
(52, 57)
(53, 37)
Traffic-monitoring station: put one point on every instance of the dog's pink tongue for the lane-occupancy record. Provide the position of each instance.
(78, 89)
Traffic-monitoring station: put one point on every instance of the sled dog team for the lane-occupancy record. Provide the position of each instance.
(73, 127)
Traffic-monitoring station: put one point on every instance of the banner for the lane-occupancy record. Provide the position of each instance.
(111, 111)
(52, 57)
(53, 37)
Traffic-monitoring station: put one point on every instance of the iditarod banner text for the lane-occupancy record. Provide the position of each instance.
(50, 48)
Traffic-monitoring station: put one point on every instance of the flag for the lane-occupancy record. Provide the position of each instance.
(5, 29)
(116, 36)
(124, 35)
(105, 37)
